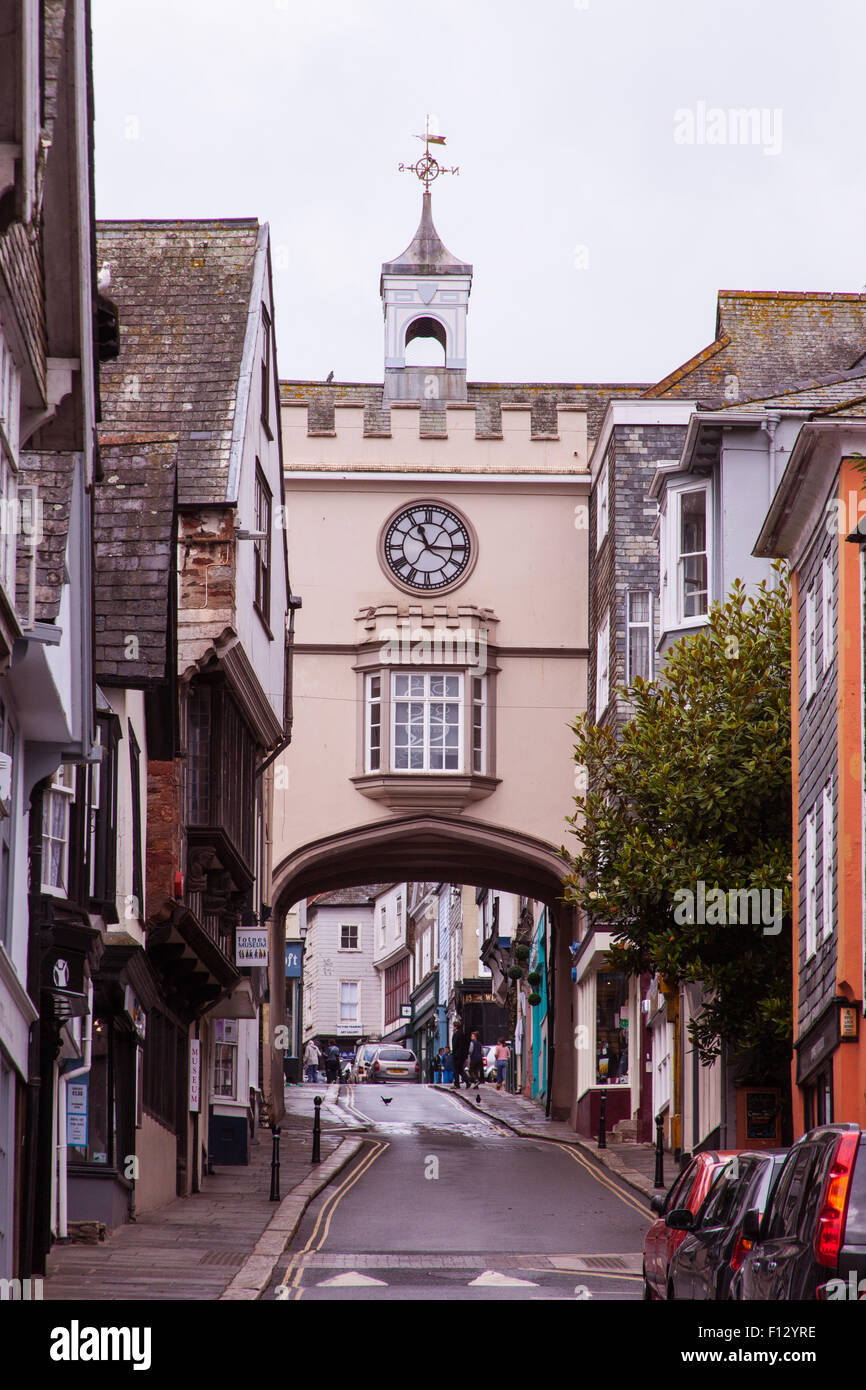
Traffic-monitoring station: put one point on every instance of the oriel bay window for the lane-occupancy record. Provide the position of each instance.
(220, 767)
(436, 721)
(686, 555)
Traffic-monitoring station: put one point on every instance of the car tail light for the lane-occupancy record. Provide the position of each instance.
(375, 1066)
(417, 1068)
(741, 1250)
(828, 1236)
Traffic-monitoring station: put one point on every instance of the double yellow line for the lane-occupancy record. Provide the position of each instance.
(605, 1181)
(294, 1269)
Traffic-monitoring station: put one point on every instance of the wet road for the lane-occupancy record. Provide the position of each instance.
(441, 1203)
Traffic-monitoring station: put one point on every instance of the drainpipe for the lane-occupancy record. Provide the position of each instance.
(769, 429)
(64, 1079)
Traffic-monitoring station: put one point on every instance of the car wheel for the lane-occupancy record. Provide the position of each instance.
(671, 1296)
(648, 1295)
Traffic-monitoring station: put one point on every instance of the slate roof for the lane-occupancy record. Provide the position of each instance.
(133, 548)
(52, 474)
(341, 897)
(841, 393)
(767, 340)
(182, 291)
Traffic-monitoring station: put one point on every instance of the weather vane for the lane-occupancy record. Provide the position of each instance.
(427, 168)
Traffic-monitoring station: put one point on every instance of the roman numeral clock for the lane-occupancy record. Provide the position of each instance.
(427, 547)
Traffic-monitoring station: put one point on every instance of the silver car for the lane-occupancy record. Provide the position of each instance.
(363, 1058)
(392, 1063)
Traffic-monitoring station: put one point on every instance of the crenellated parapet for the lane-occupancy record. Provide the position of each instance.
(371, 435)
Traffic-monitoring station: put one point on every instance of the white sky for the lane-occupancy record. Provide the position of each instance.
(561, 117)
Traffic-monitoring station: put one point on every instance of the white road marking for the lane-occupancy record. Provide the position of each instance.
(353, 1280)
(491, 1278)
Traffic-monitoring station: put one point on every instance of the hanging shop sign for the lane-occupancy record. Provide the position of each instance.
(195, 1075)
(251, 947)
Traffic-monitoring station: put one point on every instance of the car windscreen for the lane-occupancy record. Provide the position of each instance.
(395, 1054)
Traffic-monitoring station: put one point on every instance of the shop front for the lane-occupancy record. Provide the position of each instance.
(607, 1049)
(425, 1023)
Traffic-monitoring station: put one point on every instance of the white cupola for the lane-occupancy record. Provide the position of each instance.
(425, 294)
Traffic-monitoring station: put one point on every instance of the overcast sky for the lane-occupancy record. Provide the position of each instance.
(595, 200)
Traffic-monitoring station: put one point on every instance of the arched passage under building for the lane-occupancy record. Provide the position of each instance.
(425, 848)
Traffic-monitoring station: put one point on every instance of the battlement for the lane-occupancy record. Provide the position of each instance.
(433, 437)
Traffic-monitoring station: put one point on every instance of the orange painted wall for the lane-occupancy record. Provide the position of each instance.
(849, 1061)
(796, 1094)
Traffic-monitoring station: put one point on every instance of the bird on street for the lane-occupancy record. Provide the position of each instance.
(478, 1100)
(386, 1100)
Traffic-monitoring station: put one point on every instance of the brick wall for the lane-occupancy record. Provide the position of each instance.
(164, 848)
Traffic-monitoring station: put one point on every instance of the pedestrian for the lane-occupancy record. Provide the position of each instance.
(312, 1061)
(447, 1066)
(476, 1060)
(332, 1063)
(503, 1053)
(459, 1053)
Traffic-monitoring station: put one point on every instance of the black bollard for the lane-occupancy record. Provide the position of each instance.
(602, 1121)
(317, 1130)
(659, 1180)
(275, 1167)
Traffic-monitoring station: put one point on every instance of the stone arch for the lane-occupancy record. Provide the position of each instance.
(428, 847)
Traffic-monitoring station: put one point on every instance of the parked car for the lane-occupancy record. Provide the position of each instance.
(811, 1240)
(687, 1192)
(363, 1057)
(392, 1063)
(714, 1246)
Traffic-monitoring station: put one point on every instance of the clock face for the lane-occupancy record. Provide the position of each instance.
(427, 547)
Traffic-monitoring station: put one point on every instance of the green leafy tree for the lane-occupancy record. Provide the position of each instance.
(696, 787)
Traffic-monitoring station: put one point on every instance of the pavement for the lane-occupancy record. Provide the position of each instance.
(220, 1243)
(632, 1163)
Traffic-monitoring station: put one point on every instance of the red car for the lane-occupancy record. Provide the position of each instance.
(689, 1191)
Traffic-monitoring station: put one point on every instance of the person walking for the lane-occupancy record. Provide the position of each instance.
(332, 1063)
(312, 1061)
(447, 1067)
(459, 1053)
(476, 1060)
(503, 1054)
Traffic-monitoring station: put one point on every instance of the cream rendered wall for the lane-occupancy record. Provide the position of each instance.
(531, 570)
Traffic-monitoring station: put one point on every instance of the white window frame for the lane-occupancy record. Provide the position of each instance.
(428, 700)
(602, 504)
(63, 789)
(827, 861)
(827, 643)
(811, 944)
(671, 560)
(355, 1018)
(630, 623)
(811, 661)
(602, 666)
(383, 924)
(371, 701)
(350, 927)
(479, 702)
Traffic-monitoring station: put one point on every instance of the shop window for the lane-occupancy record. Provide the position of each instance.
(611, 1029)
(225, 1058)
